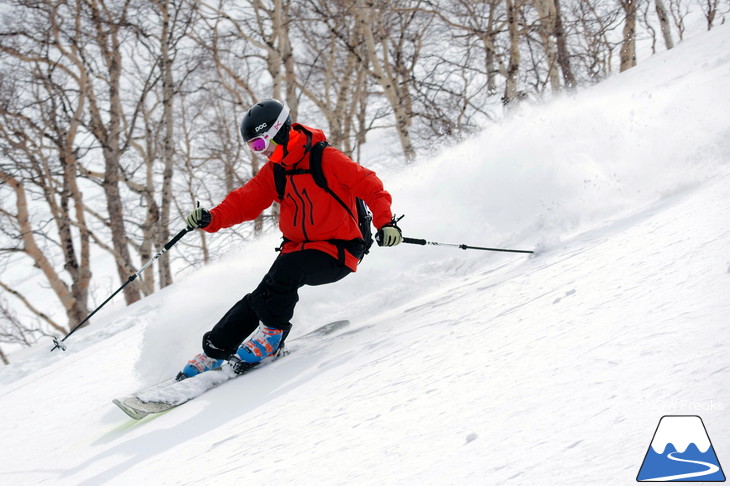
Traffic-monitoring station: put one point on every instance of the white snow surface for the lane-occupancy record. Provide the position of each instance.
(459, 367)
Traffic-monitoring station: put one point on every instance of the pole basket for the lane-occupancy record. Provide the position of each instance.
(58, 344)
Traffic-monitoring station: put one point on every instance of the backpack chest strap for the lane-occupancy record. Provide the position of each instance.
(294, 172)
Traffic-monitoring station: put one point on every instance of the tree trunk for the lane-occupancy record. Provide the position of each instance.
(168, 151)
(107, 129)
(562, 45)
(281, 25)
(513, 67)
(628, 47)
(147, 191)
(78, 268)
(490, 55)
(661, 11)
(710, 12)
(546, 29)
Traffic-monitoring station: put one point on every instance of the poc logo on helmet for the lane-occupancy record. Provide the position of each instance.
(260, 127)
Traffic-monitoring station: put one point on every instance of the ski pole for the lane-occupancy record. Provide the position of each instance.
(417, 241)
(59, 344)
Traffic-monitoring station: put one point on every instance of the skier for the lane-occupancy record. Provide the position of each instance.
(322, 240)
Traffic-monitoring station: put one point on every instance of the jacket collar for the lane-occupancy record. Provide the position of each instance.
(301, 139)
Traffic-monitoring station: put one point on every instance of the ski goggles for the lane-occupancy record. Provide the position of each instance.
(261, 143)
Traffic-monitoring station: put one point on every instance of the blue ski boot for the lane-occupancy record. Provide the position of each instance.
(264, 342)
(197, 365)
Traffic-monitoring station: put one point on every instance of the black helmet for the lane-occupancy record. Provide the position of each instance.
(261, 120)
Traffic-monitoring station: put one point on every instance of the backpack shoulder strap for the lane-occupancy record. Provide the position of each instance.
(279, 180)
(315, 165)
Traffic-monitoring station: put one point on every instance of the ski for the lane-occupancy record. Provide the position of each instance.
(172, 393)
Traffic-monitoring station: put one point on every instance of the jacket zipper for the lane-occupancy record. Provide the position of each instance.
(296, 209)
(304, 209)
(311, 206)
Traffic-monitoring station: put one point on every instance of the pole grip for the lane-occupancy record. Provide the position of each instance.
(177, 238)
(414, 241)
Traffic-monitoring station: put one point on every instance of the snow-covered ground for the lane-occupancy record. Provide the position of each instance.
(459, 367)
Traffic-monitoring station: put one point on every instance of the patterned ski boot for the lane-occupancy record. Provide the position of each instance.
(197, 365)
(266, 341)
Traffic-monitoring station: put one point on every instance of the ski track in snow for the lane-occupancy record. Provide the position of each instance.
(464, 368)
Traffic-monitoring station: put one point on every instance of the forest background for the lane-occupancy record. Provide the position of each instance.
(116, 117)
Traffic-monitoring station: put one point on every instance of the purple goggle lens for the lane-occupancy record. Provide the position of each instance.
(258, 144)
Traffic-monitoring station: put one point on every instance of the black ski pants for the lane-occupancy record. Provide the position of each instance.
(273, 301)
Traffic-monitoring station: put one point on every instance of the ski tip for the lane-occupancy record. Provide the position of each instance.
(329, 328)
(132, 412)
(326, 329)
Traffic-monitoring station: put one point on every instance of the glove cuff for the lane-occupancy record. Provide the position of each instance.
(205, 218)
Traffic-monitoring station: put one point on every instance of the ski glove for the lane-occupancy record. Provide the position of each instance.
(389, 235)
(198, 218)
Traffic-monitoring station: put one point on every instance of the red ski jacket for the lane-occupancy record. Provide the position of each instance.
(309, 216)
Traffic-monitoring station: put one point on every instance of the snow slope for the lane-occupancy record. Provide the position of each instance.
(458, 367)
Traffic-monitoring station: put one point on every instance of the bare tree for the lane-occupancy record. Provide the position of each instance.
(661, 11)
(334, 75)
(482, 22)
(562, 46)
(371, 24)
(167, 45)
(679, 10)
(164, 29)
(546, 28)
(513, 65)
(107, 117)
(41, 107)
(594, 47)
(17, 331)
(468, 68)
(628, 47)
(28, 244)
(709, 10)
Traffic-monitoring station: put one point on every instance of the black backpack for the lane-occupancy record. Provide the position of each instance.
(358, 247)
